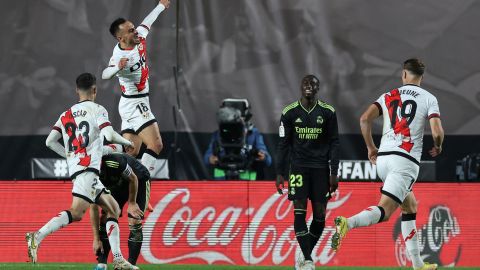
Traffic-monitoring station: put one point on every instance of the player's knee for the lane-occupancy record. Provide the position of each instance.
(157, 146)
(318, 218)
(133, 151)
(409, 208)
(136, 233)
(76, 214)
(299, 222)
(387, 215)
(114, 212)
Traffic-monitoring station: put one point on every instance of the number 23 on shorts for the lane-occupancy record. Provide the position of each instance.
(296, 180)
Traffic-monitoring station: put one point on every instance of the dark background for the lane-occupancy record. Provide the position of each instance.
(257, 50)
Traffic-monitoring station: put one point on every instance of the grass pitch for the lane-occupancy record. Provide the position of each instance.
(90, 266)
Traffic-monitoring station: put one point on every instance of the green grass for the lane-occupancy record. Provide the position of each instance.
(89, 266)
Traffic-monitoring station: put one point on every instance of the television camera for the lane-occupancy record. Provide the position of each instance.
(233, 152)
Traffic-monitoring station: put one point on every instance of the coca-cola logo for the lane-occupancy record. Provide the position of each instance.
(435, 239)
(227, 232)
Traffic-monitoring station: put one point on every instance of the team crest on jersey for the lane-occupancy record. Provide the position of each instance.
(281, 130)
(319, 119)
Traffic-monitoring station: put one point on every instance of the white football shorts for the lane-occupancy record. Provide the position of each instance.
(398, 175)
(135, 113)
(87, 186)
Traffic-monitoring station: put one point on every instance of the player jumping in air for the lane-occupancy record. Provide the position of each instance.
(129, 64)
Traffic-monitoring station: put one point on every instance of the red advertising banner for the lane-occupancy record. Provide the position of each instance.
(244, 223)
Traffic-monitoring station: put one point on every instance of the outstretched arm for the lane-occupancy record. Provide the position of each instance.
(366, 121)
(144, 27)
(114, 137)
(52, 142)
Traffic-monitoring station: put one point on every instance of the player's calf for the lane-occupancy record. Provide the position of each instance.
(135, 240)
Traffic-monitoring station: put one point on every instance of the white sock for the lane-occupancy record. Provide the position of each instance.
(61, 220)
(409, 233)
(149, 161)
(113, 233)
(367, 217)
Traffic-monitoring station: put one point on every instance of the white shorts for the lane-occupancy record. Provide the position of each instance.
(135, 113)
(398, 175)
(87, 186)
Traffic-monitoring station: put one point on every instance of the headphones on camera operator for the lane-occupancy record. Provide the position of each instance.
(235, 157)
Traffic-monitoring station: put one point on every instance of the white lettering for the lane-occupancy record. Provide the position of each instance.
(208, 256)
(249, 237)
(370, 171)
(226, 236)
(357, 172)
(168, 234)
(209, 213)
(347, 169)
(258, 241)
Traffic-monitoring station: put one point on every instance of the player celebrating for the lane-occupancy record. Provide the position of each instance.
(405, 111)
(309, 132)
(128, 180)
(129, 64)
(83, 127)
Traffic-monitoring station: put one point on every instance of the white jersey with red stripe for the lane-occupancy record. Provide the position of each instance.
(134, 77)
(80, 128)
(405, 112)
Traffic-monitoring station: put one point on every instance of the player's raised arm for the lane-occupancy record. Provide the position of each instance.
(146, 24)
(52, 140)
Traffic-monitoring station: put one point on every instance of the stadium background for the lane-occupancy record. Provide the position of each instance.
(244, 49)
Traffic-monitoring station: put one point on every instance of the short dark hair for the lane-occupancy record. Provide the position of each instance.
(313, 80)
(415, 66)
(85, 81)
(115, 26)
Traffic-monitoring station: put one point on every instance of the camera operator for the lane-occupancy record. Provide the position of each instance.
(237, 150)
